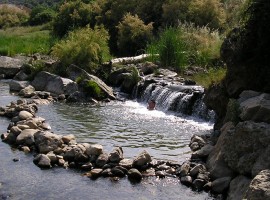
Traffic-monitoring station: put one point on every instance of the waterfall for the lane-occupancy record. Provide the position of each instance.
(185, 100)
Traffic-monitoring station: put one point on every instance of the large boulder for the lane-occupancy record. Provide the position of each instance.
(9, 67)
(18, 85)
(76, 153)
(75, 72)
(142, 159)
(256, 108)
(238, 187)
(46, 141)
(26, 137)
(259, 188)
(46, 81)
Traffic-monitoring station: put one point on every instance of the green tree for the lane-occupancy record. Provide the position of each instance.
(133, 34)
(41, 15)
(12, 16)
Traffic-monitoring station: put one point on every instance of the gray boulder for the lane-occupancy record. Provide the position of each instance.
(18, 85)
(221, 185)
(27, 92)
(21, 76)
(10, 66)
(203, 152)
(26, 137)
(76, 153)
(116, 155)
(43, 161)
(46, 81)
(142, 159)
(238, 188)
(126, 163)
(23, 115)
(95, 149)
(102, 160)
(134, 175)
(259, 188)
(46, 141)
(67, 138)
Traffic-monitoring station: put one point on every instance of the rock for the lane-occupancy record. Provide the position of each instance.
(197, 169)
(75, 72)
(116, 155)
(198, 139)
(142, 159)
(16, 159)
(203, 152)
(25, 149)
(43, 161)
(46, 81)
(126, 163)
(31, 124)
(46, 141)
(76, 97)
(189, 82)
(259, 188)
(23, 127)
(194, 146)
(163, 167)
(27, 92)
(256, 108)
(67, 138)
(53, 158)
(18, 85)
(46, 126)
(117, 172)
(76, 153)
(87, 166)
(21, 76)
(149, 172)
(221, 185)
(15, 130)
(23, 115)
(184, 169)
(10, 66)
(148, 68)
(61, 162)
(26, 137)
(186, 180)
(247, 94)
(106, 173)
(102, 160)
(95, 149)
(238, 187)
(134, 175)
(198, 184)
(160, 174)
(216, 164)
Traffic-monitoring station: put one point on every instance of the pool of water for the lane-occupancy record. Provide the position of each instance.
(126, 124)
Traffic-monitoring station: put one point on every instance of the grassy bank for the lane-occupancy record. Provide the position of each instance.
(24, 40)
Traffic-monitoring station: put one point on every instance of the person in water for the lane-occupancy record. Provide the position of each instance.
(151, 105)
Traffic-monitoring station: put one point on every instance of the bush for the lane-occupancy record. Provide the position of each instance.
(85, 47)
(41, 15)
(74, 14)
(92, 89)
(133, 34)
(12, 16)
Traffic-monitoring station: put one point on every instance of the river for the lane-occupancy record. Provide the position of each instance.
(127, 124)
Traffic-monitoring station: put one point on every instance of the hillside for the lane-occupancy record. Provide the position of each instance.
(32, 3)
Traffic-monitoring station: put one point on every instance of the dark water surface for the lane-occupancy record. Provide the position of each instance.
(127, 124)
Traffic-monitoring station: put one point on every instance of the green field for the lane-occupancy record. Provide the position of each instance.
(24, 40)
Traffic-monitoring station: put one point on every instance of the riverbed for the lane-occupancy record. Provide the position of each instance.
(127, 124)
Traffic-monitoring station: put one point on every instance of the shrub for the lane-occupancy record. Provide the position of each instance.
(41, 15)
(133, 34)
(12, 16)
(93, 90)
(85, 47)
(74, 14)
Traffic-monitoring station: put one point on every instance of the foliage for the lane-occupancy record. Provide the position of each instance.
(74, 14)
(93, 90)
(33, 68)
(11, 15)
(213, 76)
(85, 47)
(26, 40)
(133, 34)
(34, 3)
(41, 15)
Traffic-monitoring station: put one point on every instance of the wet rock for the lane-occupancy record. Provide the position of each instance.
(15, 130)
(23, 127)
(43, 161)
(106, 173)
(184, 169)
(53, 158)
(27, 92)
(163, 167)
(186, 180)
(197, 169)
(23, 115)
(142, 159)
(195, 138)
(102, 160)
(259, 187)
(21, 76)
(134, 175)
(16, 159)
(87, 166)
(46, 141)
(126, 163)
(67, 138)
(116, 155)
(203, 152)
(45, 126)
(95, 173)
(170, 171)
(221, 185)
(95, 149)
(4, 136)
(26, 137)
(18, 85)
(61, 162)
(149, 172)
(161, 174)
(117, 172)
(32, 124)
(203, 176)
(25, 149)
(238, 188)
(194, 146)
(76, 153)
(198, 184)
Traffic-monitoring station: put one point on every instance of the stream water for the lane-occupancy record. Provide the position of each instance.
(127, 124)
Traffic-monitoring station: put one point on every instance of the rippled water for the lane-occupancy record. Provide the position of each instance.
(127, 124)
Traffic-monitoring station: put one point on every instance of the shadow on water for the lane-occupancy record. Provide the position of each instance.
(128, 125)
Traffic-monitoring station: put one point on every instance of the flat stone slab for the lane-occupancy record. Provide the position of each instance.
(9, 67)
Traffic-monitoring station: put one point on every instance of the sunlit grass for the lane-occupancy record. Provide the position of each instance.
(24, 40)
(213, 76)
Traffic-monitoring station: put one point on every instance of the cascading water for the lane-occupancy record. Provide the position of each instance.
(185, 100)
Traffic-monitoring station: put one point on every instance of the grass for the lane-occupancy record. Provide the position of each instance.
(213, 76)
(24, 40)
